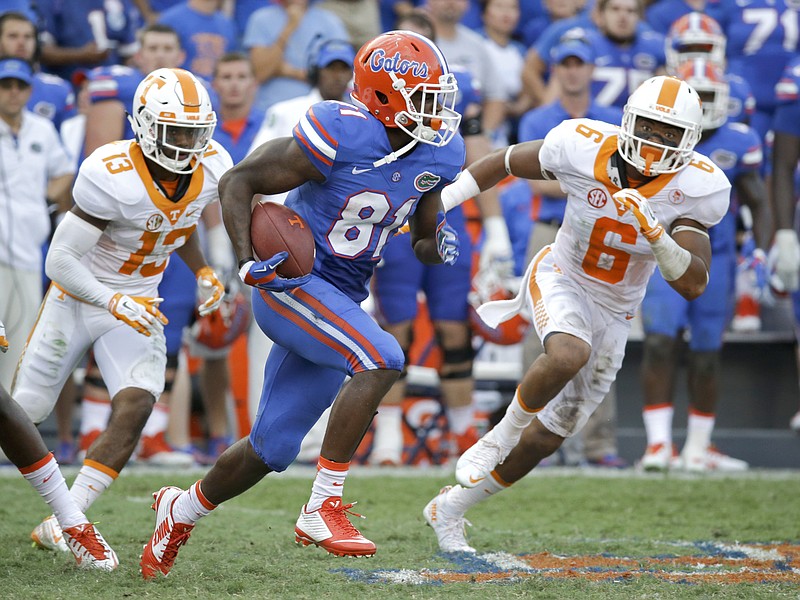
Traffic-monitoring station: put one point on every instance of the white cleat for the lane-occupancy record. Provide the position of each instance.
(478, 461)
(659, 457)
(168, 537)
(448, 526)
(48, 535)
(712, 460)
(90, 549)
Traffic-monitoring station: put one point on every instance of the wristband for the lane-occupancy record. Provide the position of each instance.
(673, 260)
(244, 261)
(462, 189)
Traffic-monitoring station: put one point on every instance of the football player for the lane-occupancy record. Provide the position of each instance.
(136, 202)
(357, 173)
(22, 443)
(736, 150)
(638, 197)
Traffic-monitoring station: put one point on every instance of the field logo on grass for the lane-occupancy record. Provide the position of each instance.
(702, 562)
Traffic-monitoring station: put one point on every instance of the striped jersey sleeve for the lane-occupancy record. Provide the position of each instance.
(317, 134)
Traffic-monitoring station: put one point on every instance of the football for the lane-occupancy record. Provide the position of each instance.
(274, 228)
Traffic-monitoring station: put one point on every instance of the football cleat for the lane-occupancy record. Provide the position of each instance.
(91, 551)
(448, 526)
(329, 528)
(160, 552)
(659, 457)
(711, 460)
(479, 460)
(155, 450)
(48, 535)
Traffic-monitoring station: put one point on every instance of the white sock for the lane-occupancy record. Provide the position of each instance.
(157, 421)
(93, 479)
(508, 431)
(388, 441)
(94, 415)
(191, 505)
(698, 431)
(329, 482)
(461, 499)
(658, 423)
(46, 477)
(460, 418)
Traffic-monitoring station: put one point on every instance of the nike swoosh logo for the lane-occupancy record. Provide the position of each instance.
(338, 484)
(357, 171)
(473, 480)
(46, 479)
(56, 538)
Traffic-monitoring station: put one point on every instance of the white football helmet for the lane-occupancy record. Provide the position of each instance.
(710, 83)
(668, 100)
(173, 119)
(694, 35)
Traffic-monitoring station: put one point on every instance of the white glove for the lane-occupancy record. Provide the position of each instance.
(785, 259)
(630, 199)
(209, 290)
(496, 253)
(140, 313)
(3, 340)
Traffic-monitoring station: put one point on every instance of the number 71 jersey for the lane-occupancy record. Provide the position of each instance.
(596, 244)
(144, 227)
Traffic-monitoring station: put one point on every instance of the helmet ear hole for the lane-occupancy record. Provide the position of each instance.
(382, 98)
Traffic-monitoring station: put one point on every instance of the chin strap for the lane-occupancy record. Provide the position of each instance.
(393, 156)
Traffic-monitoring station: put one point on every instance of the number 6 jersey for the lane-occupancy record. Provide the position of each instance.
(144, 226)
(600, 247)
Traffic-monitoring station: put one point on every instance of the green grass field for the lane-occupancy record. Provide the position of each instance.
(557, 534)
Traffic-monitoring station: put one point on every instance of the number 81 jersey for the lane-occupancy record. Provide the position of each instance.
(144, 227)
(596, 244)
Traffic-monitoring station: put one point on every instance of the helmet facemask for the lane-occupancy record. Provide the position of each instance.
(171, 144)
(430, 115)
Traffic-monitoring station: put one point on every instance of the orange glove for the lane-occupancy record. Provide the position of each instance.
(140, 313)
(210, 291)
(630, 199)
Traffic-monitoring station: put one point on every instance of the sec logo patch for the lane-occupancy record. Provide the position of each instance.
(597, 197)
(676, 196)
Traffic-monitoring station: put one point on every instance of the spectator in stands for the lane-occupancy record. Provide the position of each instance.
(206, 33)
(281, 39)
(32, 162)
(660, 15)
(51, 96)
(150, 9)
(400, 276)
(238, 122)
(572, 65)
(360, 17)
(736, 150)
(785, 157)
(83, 34)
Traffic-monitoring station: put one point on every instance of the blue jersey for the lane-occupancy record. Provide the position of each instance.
(741, 102)
(237, 138)
(762, 37)
(787, 92)
(115, 83)
(661, 15)
(354, 212)
(52, 98)
(619, 70)
(535, 124)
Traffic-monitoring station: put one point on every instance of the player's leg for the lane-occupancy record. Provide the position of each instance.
(664, 316)
(395, 286)
(566, 329)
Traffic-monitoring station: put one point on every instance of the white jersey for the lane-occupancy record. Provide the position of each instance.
(144, 227)
(596, 245)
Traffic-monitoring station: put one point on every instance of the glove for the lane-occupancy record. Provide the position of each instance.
(261, 274)
(785, 261)
(496, 254)
(446, 240)
(210, 291)
(3, 340)
(140, 313)
(630, 199)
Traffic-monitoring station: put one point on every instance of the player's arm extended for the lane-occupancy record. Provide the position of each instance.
(520, 160)
(273, 168)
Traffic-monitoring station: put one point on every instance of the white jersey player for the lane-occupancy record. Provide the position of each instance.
(638, 196)
(136, 202)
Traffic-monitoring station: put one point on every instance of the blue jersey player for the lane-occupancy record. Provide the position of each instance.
(736, 149)
(357, 173)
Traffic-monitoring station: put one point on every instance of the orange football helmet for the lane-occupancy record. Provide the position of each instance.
(694, 35)
(222, 327)
(486, 286)
(712, 87)
(403, 80)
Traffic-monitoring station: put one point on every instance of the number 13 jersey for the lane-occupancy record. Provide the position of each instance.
(597, 245)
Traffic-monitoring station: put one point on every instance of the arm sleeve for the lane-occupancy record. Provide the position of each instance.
(72, 239)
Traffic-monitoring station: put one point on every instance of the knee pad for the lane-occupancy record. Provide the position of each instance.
(452, 361)
(658, 349)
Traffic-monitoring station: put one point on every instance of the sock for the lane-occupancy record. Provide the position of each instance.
(460, 418)
(698, 431)
(191, 505)
(46, 477)
(508, 431)
(93, 479)
(461, 499)
(658, 423)
(387, 445)
(94, 415)
(157, 421)
(328, 482)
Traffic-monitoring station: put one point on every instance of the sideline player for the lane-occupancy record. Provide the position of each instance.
(136, 202)
(583, 289)
(357, 173)
(22, 443)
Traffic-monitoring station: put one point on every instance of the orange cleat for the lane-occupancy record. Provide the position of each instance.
(89, 548)
(160, 552)
(329, 528)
